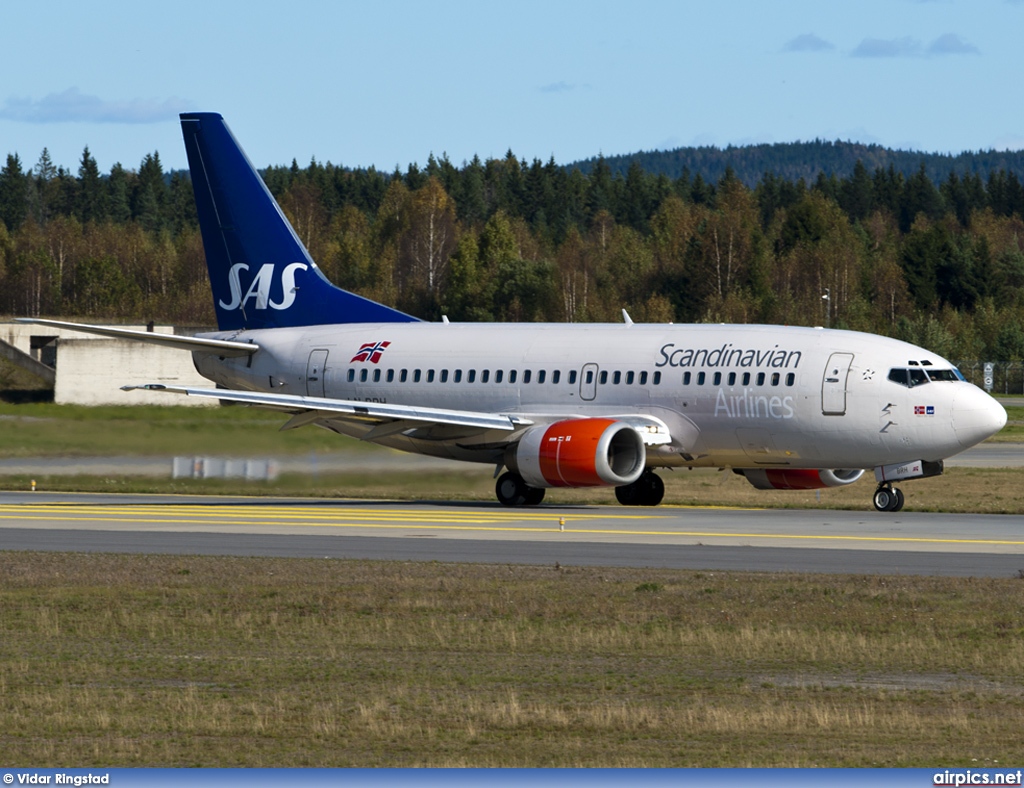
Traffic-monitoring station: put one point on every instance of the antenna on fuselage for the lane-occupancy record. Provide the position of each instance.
(626, 318)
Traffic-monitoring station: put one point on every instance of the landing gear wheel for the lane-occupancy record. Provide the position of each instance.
(511, 489)
(534, 495)
(888, 499)
(655, 489)
(648, 490)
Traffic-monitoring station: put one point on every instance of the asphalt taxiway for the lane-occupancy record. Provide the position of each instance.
(671, 537)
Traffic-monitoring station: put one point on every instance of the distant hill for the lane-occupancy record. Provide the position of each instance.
(795, 160)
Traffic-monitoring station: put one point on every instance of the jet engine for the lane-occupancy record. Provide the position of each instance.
(578, 453)
(800, 478)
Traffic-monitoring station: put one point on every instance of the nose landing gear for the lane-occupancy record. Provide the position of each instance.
(888, 498)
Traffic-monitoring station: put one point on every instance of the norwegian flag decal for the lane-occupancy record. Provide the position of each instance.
(924, 410)
(371, 351)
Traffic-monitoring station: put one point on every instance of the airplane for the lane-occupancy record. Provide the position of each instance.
(553, 405)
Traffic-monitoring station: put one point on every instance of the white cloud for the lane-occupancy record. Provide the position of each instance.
(808, 42)
(951, 44)
(73, 106)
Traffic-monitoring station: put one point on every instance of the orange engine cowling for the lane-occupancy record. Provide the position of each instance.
(579, 453)
(800, 478)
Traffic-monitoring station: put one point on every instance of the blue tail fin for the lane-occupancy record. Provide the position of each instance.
(261, 274)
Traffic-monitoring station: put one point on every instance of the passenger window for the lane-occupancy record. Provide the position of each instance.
(657, 378)
(590, 376)
(556, 376)
(616, 378)
(391, 376)
(746, 378)
(485, 376)
(643, 378)
(760, 378)
(541, 375)
(430, 376)
(471, 376)
(444, 375)
(498, 375)
(376, 376)
(572, 377)
(511, 376)
(416, 376)
(604, 377)
(458, 376)
(363, 375)
(775, 378)
(686, 378)
(629, 378)
(718, 378)
(526, 376)
(403, 376)
(732, 378)
(701, 377)
(351, 375)
(791, 379)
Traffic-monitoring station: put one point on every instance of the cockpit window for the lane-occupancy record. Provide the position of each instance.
(945, 374)
(908, 377)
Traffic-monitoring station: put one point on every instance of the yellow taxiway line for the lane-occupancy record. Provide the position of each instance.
(348, 517)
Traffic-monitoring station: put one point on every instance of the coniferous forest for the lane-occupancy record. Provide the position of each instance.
(936, 262)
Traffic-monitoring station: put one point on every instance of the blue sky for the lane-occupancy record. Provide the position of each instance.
(387, 83)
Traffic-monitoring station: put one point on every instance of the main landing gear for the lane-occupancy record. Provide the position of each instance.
(888, 498)
(513, 491)
(648, 490)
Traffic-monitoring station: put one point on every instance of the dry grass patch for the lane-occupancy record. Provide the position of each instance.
(203, 661)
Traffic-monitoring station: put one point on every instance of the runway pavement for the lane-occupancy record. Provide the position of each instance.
(692, 538)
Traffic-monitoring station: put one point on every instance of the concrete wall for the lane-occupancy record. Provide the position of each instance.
(91, 369)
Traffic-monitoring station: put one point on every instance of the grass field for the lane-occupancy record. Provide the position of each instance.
(187, 661)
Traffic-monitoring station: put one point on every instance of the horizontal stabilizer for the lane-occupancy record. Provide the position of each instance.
(221, 347)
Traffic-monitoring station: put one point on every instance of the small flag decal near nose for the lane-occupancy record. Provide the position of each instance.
(371, 351)
(924, 410)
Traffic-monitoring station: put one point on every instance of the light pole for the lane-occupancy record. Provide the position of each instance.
(826, 297)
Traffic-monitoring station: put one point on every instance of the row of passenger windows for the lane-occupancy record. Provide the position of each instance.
(499, 376)
(732, 377)
(616, 378)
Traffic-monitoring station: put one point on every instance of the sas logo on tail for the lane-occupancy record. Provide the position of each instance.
(259, 288)
(371, 352)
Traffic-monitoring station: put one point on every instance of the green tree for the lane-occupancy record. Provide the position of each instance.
(92, 204)
(13, 193)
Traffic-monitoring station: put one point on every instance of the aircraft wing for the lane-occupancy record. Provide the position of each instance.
(221, 347)
(388, 419)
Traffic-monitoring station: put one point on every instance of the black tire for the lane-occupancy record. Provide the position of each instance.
(630, 494)
(654, 489)
(510, 489)
(884, 499)
(533, 496)
(900, 500)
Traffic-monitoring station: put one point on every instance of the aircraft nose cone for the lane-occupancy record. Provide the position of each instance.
(976, 416)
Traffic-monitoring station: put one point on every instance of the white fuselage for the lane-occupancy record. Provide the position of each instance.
(730, 395)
